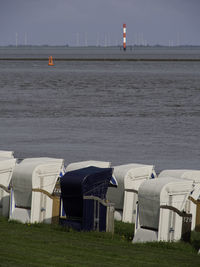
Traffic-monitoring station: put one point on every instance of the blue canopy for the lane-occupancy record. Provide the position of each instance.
(90, 181)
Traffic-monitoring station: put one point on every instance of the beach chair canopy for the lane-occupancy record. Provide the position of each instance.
(34, 173)
(6, 169)
(193, 175)
(83, 164)
(154, 193)
(194, 206)
(128, 176)
(90, 181)
(6, 154)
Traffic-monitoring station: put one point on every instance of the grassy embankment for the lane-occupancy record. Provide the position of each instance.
(51, 245)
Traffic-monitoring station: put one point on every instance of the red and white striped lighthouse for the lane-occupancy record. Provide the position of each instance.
(124, 36)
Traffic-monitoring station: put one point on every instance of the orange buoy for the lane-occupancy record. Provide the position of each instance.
(51, 61)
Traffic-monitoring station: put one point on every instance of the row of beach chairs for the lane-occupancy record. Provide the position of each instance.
(164, 207)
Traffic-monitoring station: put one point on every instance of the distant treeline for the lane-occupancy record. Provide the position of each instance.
(46, 45)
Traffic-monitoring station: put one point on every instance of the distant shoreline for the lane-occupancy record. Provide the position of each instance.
(101, 53)
(100, 59)
(100, 46)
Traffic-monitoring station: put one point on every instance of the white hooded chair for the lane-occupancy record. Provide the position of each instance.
(33, 184)
(129, 178)
(193, 204)
(160, 210)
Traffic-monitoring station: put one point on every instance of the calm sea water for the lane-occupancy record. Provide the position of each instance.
(123, 112)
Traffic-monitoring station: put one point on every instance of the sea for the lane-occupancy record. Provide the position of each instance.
(136, 106)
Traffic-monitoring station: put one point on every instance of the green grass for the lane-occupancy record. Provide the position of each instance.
(48, 245)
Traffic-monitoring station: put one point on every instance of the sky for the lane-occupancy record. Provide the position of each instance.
(99, 22)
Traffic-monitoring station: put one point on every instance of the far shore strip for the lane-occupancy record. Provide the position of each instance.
(99, 59)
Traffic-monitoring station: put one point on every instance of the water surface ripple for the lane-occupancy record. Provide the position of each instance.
(146, 112)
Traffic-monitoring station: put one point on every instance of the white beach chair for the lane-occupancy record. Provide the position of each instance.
(193, 203)
(129, 178)
(33, 183)
(160, 210)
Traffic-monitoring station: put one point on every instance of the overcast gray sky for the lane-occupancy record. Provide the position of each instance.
(80, 22)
